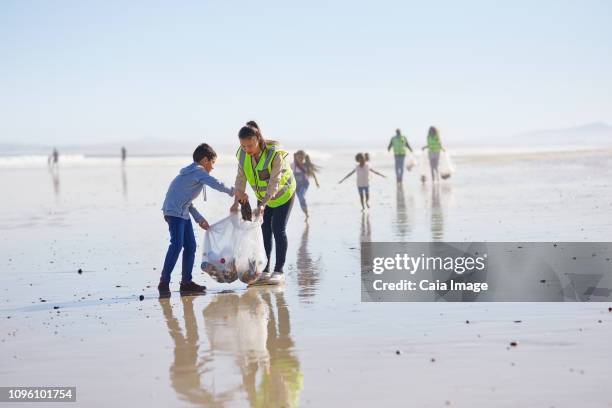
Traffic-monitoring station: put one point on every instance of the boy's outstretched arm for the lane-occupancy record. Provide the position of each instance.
(347, 176)
(375, 172)
(211, 181)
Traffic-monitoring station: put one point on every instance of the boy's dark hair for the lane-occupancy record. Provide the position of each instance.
(202, 151)
(359, 157)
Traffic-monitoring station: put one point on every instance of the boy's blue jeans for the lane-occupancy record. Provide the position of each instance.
(181, 237)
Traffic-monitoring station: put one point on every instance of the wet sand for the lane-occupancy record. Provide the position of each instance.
(311, 343)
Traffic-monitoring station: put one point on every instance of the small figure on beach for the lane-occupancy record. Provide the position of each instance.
(434, 145)
(303, 168)
(399, 143)
(177, 208)
(123, 154)
(363, 179)
(53, 160)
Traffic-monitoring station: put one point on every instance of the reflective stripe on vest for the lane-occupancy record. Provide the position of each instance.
(287, 183)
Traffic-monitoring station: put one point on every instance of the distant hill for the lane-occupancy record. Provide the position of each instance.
(592, 134)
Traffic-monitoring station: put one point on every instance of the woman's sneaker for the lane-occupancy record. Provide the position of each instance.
(268, 278)
(192, 287)
(263, 279)
(277, 278)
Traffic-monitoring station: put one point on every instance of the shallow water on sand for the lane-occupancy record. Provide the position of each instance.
(312, 342)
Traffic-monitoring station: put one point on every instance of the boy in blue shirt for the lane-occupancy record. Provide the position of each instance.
(178, 206)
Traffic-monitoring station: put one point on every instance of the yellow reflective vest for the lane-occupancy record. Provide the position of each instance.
(259, 175)
(399, 145)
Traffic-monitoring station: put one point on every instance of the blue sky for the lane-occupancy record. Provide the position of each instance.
(310, 73)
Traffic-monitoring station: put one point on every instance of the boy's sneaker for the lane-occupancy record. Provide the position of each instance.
(263, 279)
(164, 289)
(192, 287)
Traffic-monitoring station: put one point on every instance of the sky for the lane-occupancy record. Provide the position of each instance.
(311, 73)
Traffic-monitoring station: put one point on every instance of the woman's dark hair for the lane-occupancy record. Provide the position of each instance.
(307, 166)
(433, 131)
(202, 151)
(359, 157)
(251, 129)
(252, 123)
(310, 166)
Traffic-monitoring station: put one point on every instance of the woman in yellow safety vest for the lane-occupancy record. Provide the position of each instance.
(263, 164)
(434, 145)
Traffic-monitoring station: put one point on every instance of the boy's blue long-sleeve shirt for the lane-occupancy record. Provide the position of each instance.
(186, 187)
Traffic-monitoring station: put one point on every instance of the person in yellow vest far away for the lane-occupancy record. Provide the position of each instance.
(265, 166)
(363, 179)
(399, 143)
(434, 146)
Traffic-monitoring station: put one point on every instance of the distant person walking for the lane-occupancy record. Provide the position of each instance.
(434, 146)
(303, 169)
(53, 160)
(123, 154)
(399, 143)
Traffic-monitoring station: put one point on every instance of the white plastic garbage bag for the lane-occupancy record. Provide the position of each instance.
(424, 167)
(233, 249)
(446, 168)
(410, 161)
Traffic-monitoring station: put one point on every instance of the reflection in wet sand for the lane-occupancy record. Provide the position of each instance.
(249, 356)
(403, 211)
(437, 215)
(307, 268)
(124, 181)
(282, 384)
(365, 234)
(185, 371)
(54, 170)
